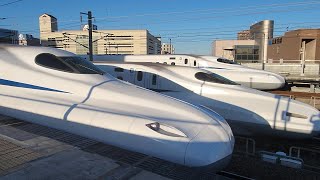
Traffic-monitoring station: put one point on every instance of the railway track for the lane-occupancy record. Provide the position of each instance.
(296, 94)
(309, 98)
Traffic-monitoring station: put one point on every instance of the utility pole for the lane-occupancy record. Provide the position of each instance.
(89, 14)
(303, 57)
(170, 46)
(90, 35)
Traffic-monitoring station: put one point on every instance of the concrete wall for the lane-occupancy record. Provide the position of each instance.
(290, 69)
(225, 48)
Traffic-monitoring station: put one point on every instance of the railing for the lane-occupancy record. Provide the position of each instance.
(249, 145)
(315, 101)
(311, 156)
(282, 61)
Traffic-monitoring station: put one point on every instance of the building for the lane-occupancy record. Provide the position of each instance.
(293, 45)
(8, 36)
(167, 49)
(47, 24)
(104, 41)
(251, 46)
(28, 40)
(244, 35)
(237, 50)
(261, 32)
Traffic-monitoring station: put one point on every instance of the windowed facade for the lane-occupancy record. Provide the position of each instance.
(246, 53)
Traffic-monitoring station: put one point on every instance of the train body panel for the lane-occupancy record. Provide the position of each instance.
(249, 77)
(248, 111)
(55, 88)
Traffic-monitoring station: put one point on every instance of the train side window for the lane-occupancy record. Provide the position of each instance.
(185, 61)
(154, 79)
(139, 76)
(173, 63)
(117, 69)
(194, 63)
(120, 77)
(53, 62)
(214, 78)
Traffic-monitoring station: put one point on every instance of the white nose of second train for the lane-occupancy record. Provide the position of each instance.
(276, 81)
(213, 146)
(209, 148)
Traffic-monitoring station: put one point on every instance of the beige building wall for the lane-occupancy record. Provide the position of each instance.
(244, 35)
(167, 49)
(225, 48)
(47, 23)
(104, 41)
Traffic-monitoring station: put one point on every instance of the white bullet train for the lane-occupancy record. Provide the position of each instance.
(57, 89)
(249, 77)
(248, 111)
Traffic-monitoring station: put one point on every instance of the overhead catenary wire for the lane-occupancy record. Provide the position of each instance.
(208, 37)
(218, 11)
(9, 3)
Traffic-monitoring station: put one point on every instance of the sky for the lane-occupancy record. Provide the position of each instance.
(191, 25)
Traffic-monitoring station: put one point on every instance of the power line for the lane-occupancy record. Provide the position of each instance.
(216, 10)
(6, 4)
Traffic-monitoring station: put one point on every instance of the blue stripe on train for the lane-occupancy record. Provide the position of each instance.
(28, 86)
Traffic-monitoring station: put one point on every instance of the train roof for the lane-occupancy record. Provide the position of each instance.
(30, 51)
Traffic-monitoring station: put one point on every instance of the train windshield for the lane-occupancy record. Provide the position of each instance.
(81, 66)
(214, 78)
(227, 61)
(67, 64)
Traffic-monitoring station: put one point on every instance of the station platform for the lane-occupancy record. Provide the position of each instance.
(31, 151)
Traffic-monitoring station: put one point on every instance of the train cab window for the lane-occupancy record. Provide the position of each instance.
(139, 76)
(227, 61)
(117, 69)
(173, 63)
(81, 66)
(194, 63)
(185, 61)
(70, 64)
(119, 77)
(214, 78)
(53, 62)
(154, 79)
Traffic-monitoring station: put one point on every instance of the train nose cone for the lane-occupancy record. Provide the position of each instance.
(276, 80)
(212, 147)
